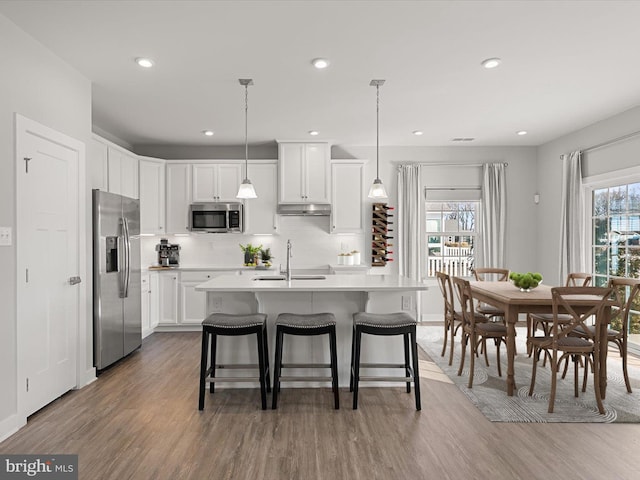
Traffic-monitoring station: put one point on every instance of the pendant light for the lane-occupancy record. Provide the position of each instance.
(246, 189)
(377, 189)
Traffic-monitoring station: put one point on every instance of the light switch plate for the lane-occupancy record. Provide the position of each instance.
(5, 236)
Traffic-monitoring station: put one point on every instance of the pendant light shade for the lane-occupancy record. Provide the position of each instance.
(377, 189)
(246, 189)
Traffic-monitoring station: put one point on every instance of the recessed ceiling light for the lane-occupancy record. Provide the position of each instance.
(144, 62)
(521, 132)
(491, 62)
(208, 133)
(417, 132)
(320, 63)
(313, 132)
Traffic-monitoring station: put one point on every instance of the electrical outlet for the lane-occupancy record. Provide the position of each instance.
(406, 302)
(5, 236)
(216, 305)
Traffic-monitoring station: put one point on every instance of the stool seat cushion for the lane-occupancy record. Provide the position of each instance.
(309, 320)
(228, 320)
(384, 320)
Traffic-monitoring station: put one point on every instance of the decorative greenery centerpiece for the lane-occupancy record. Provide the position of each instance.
(525, 281)
(250, 254)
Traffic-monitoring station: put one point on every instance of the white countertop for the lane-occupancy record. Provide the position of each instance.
(332, 283)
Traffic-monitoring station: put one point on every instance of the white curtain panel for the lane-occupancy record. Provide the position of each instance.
(494, 215)
(572, 240)
(410, 222)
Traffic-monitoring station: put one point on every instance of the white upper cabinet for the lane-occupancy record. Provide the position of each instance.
(347, 196)
(123, 173)
(216, 182)
(152, 193)
(303, 172)
(98, 165)
(260, 213)
(178, 197)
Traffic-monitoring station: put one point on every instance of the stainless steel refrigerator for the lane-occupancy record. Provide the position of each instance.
(117, 328)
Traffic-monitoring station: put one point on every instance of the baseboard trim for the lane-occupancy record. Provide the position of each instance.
(11, 425)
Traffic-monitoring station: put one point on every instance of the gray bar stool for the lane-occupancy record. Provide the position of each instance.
(234, 325)
(387, 324)
(305, 325)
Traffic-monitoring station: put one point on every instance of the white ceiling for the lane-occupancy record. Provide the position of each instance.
(566, 64)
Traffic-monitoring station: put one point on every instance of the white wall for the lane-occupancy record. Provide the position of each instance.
(38, 85)
(613, 157)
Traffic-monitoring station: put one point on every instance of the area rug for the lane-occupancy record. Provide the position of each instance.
(489, 390)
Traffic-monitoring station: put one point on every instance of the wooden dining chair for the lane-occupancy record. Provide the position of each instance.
(476, 333)
(617, 333)
(562, 344)
(544, 320)
(452, 318)
(490, 274)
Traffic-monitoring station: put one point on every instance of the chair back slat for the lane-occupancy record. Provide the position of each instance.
(577, 279)
(626, 292)
(489, 273)
(463, 289)
(444, 282)
(565, 301)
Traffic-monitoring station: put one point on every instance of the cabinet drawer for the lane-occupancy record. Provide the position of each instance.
(201, 276)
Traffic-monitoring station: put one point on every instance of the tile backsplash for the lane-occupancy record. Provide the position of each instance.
(313, 245)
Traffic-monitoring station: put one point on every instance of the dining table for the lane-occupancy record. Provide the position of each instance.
(513, 302)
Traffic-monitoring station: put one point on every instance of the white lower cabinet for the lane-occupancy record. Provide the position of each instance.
(150, 306)
(193, 304)
(168, 298)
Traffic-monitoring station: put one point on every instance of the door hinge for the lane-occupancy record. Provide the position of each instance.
(26, 164)
(27, 384)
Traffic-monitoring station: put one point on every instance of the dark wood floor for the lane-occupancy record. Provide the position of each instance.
(140, 421)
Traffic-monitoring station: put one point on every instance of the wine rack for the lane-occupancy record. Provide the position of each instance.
(380, 235)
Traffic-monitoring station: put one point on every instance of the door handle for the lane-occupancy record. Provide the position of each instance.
(74, 280)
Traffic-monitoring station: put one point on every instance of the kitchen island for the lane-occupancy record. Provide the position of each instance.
(342, 295)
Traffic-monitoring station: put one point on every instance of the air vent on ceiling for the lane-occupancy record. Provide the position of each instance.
(462, 139)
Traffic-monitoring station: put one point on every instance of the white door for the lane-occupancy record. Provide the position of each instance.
(48, 256)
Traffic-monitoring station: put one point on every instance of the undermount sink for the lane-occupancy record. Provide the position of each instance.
(293, 277)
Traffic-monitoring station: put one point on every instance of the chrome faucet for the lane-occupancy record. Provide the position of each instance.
(288, 274)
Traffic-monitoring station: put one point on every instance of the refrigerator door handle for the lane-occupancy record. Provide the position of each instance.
(122, 258)
(127, 251)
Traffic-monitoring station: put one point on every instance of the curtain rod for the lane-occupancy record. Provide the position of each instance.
(451, 164)
(608, 142)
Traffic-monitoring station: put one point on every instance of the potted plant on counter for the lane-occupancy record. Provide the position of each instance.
(250, 254)
(266, 256)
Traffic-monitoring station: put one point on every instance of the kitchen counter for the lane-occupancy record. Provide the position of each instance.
(342, 295)
(331, 283)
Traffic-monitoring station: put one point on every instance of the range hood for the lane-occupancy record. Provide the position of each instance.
(306, 209)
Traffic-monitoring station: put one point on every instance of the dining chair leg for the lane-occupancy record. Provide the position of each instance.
(463, 346)
(623, 353)
(453, 335)
(416, 372)
(446, 335)
(554, 378)
(407, 364)
(473, 360)
(536, 359)
(498, 342)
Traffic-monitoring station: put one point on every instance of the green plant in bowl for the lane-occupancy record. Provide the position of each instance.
(525, 281)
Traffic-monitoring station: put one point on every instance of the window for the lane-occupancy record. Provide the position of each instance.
(451, 230)
(616, 238)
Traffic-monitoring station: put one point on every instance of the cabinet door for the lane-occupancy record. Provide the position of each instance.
(228, 179)
(347, 195)
(178, 197)
(123, 173)
(291, 173)
(98, 165)
(193, 304)
(152, 187)
(129, 176)
(316, 172)
(154, 301)
(260, 213)
(115, 158)
(204, 183)
(168, 287)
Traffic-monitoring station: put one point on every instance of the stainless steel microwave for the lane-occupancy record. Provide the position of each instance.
(216, 217)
